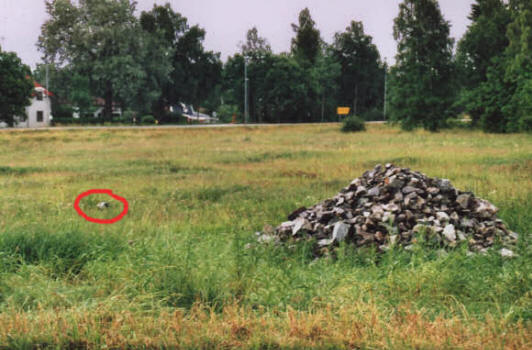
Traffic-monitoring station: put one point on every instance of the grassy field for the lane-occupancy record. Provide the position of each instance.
(182, 269)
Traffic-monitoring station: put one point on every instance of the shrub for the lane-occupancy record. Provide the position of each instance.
(225, 112)
(147, 119)
(353, 124)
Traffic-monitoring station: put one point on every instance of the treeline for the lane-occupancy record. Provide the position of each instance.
(489, 78)
(146, 64)
(100, 49)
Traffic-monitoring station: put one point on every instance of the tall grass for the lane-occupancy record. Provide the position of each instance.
(183, 268)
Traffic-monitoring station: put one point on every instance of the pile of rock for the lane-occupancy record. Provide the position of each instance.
(395, 206)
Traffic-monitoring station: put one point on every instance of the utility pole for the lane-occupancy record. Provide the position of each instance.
(47, 81)
(246, 106)
(385, 85)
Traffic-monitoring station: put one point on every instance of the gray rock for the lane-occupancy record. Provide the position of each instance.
(442, 216)
(449, 233)
(340, 231)
(301, 224)
(361, 190)
(464, 200)
(374, 192)
(444, 185)
(409, 189)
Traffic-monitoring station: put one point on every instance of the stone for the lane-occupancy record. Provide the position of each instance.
(442, 216)
(507, 253)
(103, 205)
(374, 192)
(340, 231)
(391, 205)
(449, 233)
(444, 185)
(301, 224)
(409, 189)
(361, 190)
(464, 200)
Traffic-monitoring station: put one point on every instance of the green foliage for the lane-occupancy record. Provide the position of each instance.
(495, 61)
(362, 74)
(147, 119)
(353, 124)
(306, 44)
(193, 72)
(375, 114)
(421, 86)
(525, 123)
(325, 75)
(225, 113)
(16, 88)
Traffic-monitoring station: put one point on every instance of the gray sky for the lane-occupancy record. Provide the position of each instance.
(226, 21)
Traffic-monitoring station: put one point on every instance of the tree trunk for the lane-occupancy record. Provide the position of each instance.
(355, 101)
(322, 108)
(108, 108)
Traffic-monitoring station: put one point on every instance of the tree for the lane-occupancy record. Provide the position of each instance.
(284, 91)
(519, 67)
(307, 43)
(194, 72)
(361, 81)
(255, 46)
(16, 88)
(484, 41)
(421, 81)
(325, 75)
(99, 38)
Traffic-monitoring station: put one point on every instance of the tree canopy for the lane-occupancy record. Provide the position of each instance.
(422, 79)
(16, 87)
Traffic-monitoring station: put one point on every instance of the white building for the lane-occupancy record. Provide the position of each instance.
(39, 112)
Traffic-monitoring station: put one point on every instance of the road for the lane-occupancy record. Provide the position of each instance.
(191, 126)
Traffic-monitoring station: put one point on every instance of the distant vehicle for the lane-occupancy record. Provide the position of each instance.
(188, 112)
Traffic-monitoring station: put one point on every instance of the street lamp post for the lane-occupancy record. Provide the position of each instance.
(246, 80)
(385, 85)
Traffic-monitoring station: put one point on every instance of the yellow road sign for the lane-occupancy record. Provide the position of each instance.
(343, 110)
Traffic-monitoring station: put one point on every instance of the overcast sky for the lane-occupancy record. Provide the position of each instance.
(226, 21)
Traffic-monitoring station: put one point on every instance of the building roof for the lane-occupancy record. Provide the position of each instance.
(46, 92)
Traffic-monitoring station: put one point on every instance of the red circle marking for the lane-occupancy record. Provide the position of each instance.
(101, 221)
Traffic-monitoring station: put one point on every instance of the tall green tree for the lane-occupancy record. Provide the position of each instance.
(306, 44)
(362, 78)
(16, 87)
(519, 67)
(255, 46)
(194, 72)
(421, 81)
(101, 39)
(484, 41)
(325, 75)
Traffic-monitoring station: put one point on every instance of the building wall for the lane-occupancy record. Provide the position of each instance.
(44, 106)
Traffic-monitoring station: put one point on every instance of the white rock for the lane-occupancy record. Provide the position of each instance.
(299, 224)
(103, 205)
(507, 253)
(442, 216)
(449, 233)
(340, 231)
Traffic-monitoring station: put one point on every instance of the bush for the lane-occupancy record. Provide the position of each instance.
(147, 119)
(353, 124)
(225, 112)
(525, 123)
